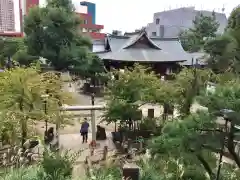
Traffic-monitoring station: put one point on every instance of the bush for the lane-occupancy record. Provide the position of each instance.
(148, 124)
(30, 173)
(54, 164)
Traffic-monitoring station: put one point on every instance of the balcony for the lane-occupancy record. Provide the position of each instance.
(92, 26)
(11, 34)
(95, 35)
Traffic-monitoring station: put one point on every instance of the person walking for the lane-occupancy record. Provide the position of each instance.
(84, 131)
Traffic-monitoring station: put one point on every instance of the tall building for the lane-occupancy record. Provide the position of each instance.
(7, 20)
(170, 23)
(30, 3)
(89, 25)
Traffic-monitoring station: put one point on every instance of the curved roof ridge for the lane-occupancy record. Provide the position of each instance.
(136, 38)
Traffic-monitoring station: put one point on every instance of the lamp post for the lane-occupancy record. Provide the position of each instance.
(93, 120)
(45, 96)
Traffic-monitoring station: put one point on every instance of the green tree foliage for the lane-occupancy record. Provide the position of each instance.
(138, 86)
(204, 27)
(195, 139)
(92, 68)
(14, 49)
(20, 94)
(195, 78)
(52, 32)
(22, 102)
(224, 50)
(184, 141)
(52, 166)
(128, 92)
(233, 20)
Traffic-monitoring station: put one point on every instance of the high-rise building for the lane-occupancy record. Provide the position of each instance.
(7, 20)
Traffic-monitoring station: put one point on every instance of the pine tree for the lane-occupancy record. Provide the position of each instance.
(52, 32)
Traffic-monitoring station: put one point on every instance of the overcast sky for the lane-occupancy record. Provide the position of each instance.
(128, 15)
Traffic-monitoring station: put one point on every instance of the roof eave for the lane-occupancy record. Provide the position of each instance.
(144, 61)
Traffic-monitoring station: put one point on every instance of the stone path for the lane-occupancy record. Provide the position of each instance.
(70, 138)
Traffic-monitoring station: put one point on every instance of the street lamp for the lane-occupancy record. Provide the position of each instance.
(45, 96)
(93, 121)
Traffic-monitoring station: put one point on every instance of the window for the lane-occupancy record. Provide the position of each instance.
(96, 30)
(154, 34)
(84, 21)
(157, 21)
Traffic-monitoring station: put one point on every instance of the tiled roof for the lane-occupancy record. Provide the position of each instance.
(162, 49)
(199, 58)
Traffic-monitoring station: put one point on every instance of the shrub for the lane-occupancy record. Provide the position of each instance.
(55, 164)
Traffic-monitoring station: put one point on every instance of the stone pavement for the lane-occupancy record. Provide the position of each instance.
(70, 138)
(73, 142)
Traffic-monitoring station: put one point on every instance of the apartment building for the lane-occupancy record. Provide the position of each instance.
(7, 20)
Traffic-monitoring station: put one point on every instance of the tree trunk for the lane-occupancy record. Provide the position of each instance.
(206, 166)
(23, 126)
(187, 106)
(230, 146)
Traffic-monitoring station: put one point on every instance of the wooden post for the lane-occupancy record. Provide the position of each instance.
(131, 171)
(105, 153)
(141, 143)
(129, 144)
(91, 151)
(89, 166)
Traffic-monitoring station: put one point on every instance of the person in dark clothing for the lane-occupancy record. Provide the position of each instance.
(84, 131)
(130, 124)
(49, 135)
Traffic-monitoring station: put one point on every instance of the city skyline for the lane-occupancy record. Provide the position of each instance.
(128, 15)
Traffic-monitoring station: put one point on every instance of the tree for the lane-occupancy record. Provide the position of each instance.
(183, 140)
(8, 48)
(233, 20)
(224, 50)
(138, 86)
(21, 94)
(14, 51)
(204, 27)
(226, 97)
(92, 68)
(195, 78)
(21, 104)
(189, 41)
(198, 136)
(129, 91)
(52, 33)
